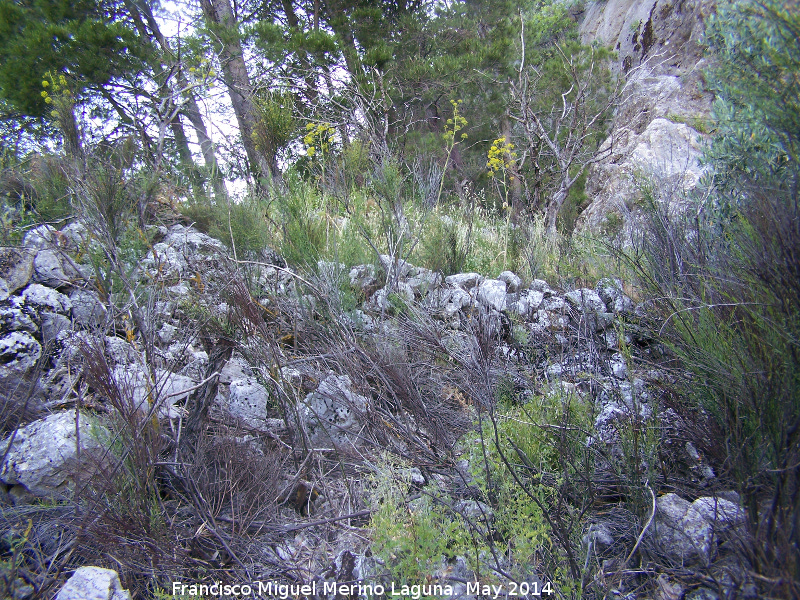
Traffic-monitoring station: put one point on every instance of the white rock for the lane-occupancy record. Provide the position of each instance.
(465, 281)
(247, 402)
(93, 583)
(43, 297)
(492, 293)
(19, 352)
(512, 281)
(586, 300)
(331, 413)
(43, 456)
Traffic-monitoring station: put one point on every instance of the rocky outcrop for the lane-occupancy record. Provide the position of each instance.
(658, 129)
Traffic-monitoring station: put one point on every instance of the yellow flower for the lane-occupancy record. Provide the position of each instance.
(45, 83)
(44, 94)
(311, 150)
(54, 114)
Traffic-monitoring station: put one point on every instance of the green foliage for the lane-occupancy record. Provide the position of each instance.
(754, 77)
(411, 540)
(522, 460)
(88, 40)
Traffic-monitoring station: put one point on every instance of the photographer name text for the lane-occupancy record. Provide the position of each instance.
(282, 591)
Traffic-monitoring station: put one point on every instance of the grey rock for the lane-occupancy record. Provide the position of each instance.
(52, 270)
(474, 510)
(75, 235)
(138, 392)
(702, 594)
(331, 413)
(40, 238)
(87, 309)
(552, 303)
(93, 583)
(16, 269)
(52, 326)
(540, 285)
(394, 267)
(163, 260)
(236, 368)
(610, 291)
(247, 402)
(330, 272)
(167, 333)
(19, 352)
(14, 318)
(600, 536)
(465, 281)
(120, 352)
(188, 241)
(682, 531)
(43, 457)
(362, 277)
(492, 293)
(44, 298)
(587, 300)
(720, 512)
(619, 367)
(424, 282)
(512, 281)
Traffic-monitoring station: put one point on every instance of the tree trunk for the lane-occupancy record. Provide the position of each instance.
(554, 207)
(219, 14)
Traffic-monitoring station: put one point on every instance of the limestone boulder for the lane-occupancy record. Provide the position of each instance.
(331, 414)
(45, 457)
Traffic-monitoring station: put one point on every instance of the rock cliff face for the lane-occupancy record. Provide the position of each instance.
(658, 130)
